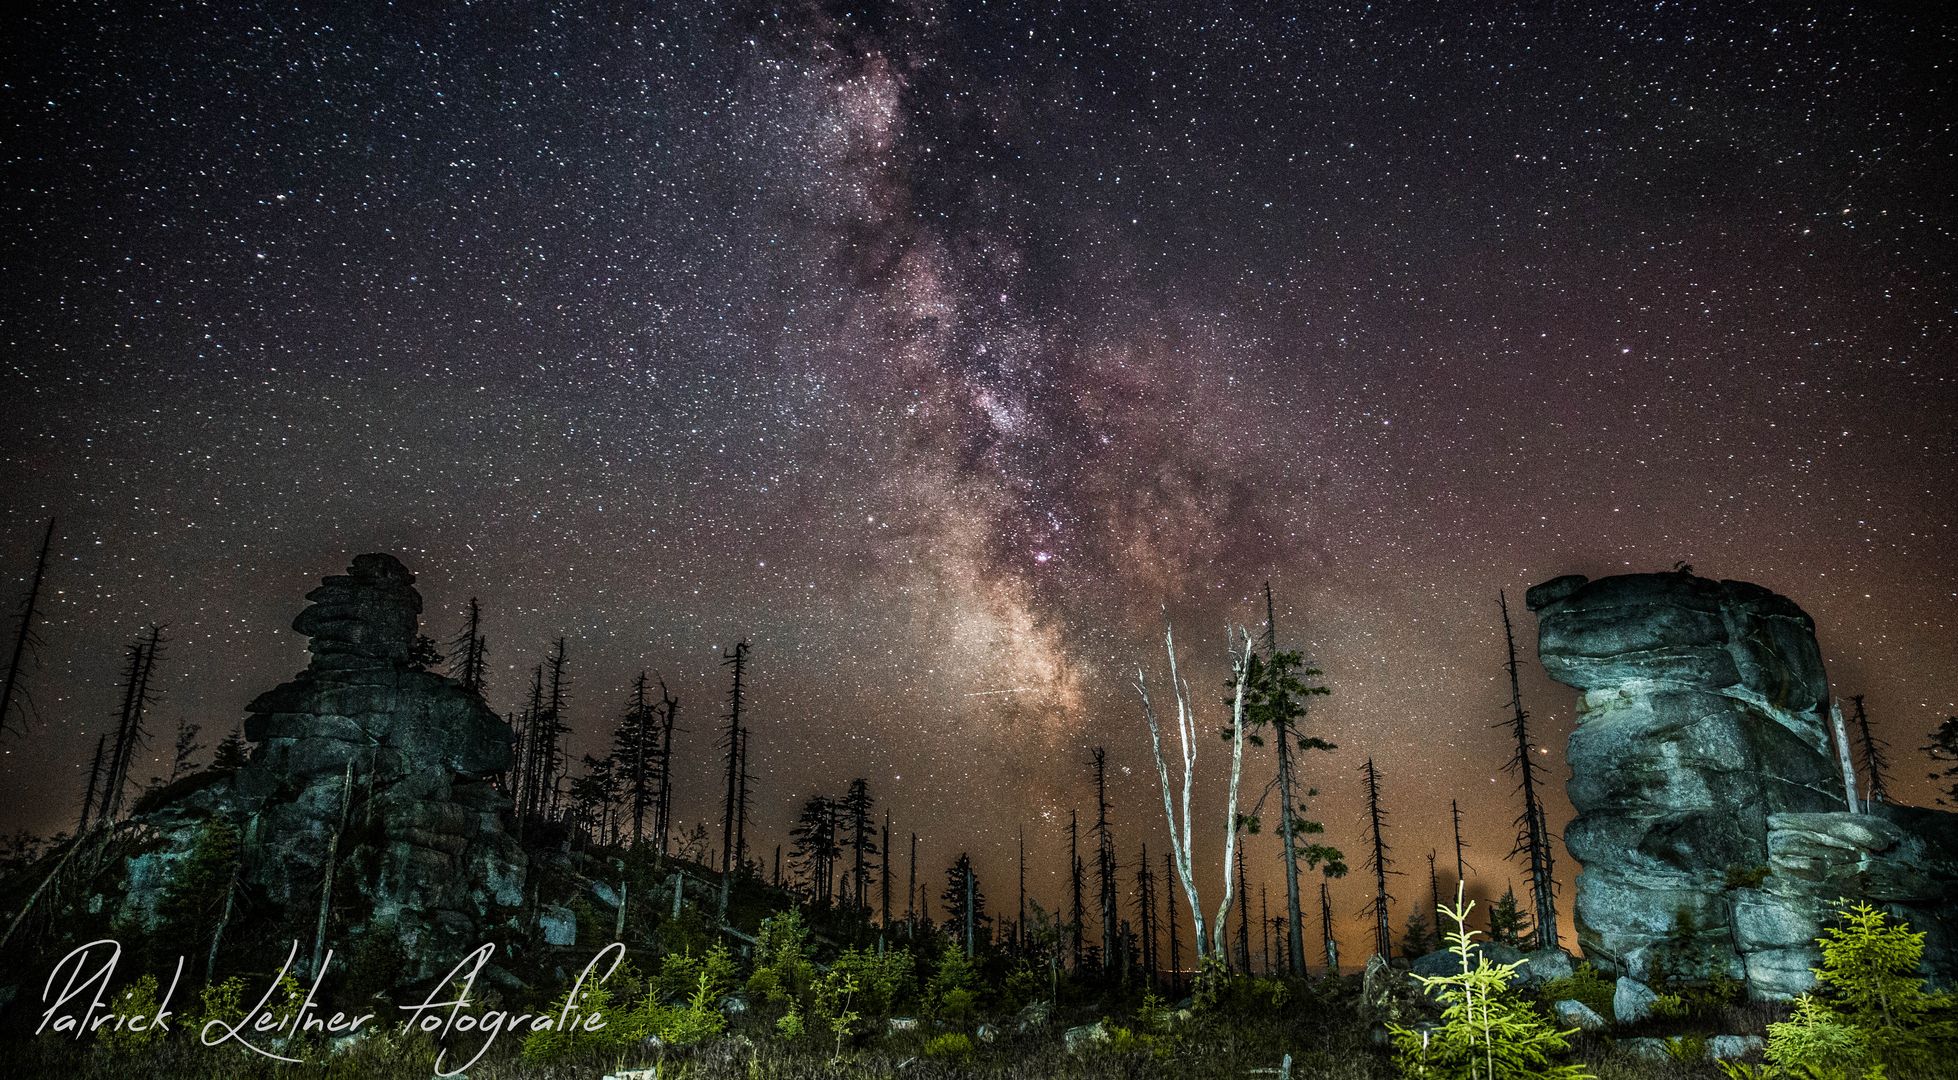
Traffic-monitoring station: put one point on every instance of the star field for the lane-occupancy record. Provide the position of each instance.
(937, 349)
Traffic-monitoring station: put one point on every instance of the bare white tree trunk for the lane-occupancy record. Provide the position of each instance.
(1842, 755)
(1240, 667)
(1181, 832)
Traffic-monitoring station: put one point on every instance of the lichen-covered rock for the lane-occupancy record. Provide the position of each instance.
(1734, 1047)
(363, 746)
(1078, 1039)
(1631, 1001)
(1711, 822)
(1576, 1014)
(406, 754)
(1390, 995)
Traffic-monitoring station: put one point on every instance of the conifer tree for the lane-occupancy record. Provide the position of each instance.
(1326, 928)
(1279, 685)
(884, 864)
(1943, 749)
(911, 910)
(1381, 865)
(860, 837)
(669, 714)
(94, 778)
(529, 785)
(1145, 906)
(1533, 830)
(964, 900)
(1486, 1030)
(814, 848)
(469, 650)
(1169, 910)
(1461, 865)
(731, 744)
(1021, 940)
(183, 756)
(1104, 860)
(1077, 910)
(1243, 916)
(230, 755)
(1874, 762)
(1508, 924)
(635, 750)
(551, 728)
(594, 795)
(131, 733)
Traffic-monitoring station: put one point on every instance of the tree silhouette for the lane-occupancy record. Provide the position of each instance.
(733, 812)
(669, 713)
(131, 733)
(230, 755)
(1508, 925)
(1077, 912)
(1874, 762)
(469, 651)
(635, 753)
(860, 837)
(964, 900)
(1380, 864)
(1104, 860)
(813, 846)
(1278, 686)
(1533, 829)
(884, 865)
(94, 778)
(1326, 928)
(25, 640)
(1145, 907)
(1943, 749)
(184, 753)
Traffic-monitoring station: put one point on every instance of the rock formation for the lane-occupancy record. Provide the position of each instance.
(369, 763)
(1711, 819)
(408, 753)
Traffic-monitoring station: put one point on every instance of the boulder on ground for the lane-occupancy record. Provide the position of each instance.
(1632, 1001)
(1576, 1014)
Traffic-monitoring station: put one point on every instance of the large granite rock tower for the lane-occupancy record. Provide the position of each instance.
(404, 756)
(1712, 823)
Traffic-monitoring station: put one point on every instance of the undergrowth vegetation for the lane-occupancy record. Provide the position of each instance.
(796, 1007)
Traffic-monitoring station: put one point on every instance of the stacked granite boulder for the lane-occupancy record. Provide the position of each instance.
(1712, 826)
(402, 756)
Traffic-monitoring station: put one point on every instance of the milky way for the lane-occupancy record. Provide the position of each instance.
(942, 352)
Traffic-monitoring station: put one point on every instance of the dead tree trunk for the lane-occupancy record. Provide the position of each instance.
(1181, 836)
(1874, 762)
(1243, 916)
(1326, 928)
(1104, 862)
(731, 742)
(24, 639)
(1078, 912)
(1533, 834)
(1295, 938)
(1377, 861)
(663, 812)
(1169, 911)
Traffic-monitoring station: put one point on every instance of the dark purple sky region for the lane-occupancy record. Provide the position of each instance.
(937, 348)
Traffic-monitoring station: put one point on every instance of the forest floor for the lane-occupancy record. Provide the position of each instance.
(1318, 1030)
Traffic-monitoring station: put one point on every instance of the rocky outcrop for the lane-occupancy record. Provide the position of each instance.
(404, 756)
(1711, 822)
(363, 761)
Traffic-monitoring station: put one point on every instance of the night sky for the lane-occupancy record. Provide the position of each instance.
(936, 349)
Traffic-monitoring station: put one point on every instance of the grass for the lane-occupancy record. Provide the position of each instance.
(1317, 1025)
